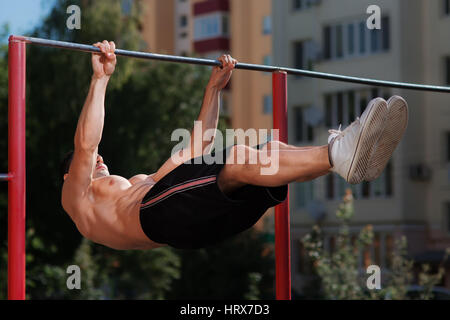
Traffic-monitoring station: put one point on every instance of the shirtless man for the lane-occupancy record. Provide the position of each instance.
(190, 206)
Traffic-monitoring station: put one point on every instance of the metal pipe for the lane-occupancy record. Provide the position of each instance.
(246, 66)
(16, 164)
(5, 176)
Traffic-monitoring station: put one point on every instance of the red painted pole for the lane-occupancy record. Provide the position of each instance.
(282, 226)
(16, 164)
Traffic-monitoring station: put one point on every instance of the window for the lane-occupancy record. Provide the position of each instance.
(388, 179)
(447, 7)
(351, 38)
(329, 110)
(340, 108)
(303, 4)
(267, 60)
(365, 189)
(303, 130)
(342, 186)
(183, 21)
(378, 186)
(327, 42)
(225, 24)
(267, 104)
(298, 116)
(211, 26)
(374, 40)
(351, 106)
(343, 107)
(363, 101)
(362, 37)
(298, 55)
(386, 38)
(447, 70)
(304, 193)
(267, 25)
(304, 53)
(309, 133)
(448, 217)
(330, 186)
(447, 151)
(339, 42)
(374, 92)
(380, 38)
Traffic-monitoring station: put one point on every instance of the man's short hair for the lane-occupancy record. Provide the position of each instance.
(65, 164)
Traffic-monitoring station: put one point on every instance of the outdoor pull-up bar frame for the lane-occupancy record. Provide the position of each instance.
(16, 147)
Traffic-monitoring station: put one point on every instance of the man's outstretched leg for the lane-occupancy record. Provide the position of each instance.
(347, 153)
(294, 164)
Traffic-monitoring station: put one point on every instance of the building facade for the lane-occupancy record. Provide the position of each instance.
(412, 195)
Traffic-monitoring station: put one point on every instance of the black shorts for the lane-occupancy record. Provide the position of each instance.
(187, 210)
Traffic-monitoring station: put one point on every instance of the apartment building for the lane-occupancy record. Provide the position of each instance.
(412, 195)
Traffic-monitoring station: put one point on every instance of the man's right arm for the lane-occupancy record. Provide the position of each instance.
(88, 135)
(90, 124)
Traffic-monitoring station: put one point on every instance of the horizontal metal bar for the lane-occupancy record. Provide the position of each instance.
(246, 66)
(5, 176)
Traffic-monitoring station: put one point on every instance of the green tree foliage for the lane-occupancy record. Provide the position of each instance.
(339, 272)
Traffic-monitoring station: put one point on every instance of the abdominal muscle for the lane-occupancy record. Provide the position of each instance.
(114, 220)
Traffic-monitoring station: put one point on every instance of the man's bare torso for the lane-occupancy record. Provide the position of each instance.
(109, 212)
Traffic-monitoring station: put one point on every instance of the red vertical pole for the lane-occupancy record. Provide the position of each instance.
(16, 164)
(282, 226)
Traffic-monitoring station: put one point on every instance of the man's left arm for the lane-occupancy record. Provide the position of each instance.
(209, 113)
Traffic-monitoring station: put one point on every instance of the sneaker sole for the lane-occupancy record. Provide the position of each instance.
(396, 124)
(370, 133)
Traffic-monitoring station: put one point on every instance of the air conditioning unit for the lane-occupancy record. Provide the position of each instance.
(420, 172)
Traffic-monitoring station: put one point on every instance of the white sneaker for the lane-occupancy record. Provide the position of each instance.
(396, 124)
(350, 150)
